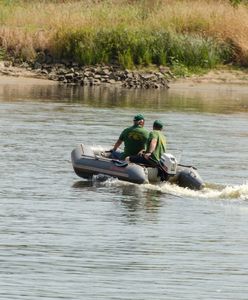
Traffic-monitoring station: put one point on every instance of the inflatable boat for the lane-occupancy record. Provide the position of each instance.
(88, 161)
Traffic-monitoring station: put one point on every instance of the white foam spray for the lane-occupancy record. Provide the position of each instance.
(238, 192)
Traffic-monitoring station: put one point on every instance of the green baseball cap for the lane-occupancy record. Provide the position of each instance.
(138, 117)
(158, 124)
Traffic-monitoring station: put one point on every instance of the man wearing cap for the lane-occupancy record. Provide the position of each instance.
(134, 138)
(156, 146)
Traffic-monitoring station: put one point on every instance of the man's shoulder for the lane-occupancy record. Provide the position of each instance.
(153, 134)
(126, 130)
(137, 129)
(156, 134)
(140, 128)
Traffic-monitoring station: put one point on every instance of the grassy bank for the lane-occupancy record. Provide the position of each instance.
(183, 34)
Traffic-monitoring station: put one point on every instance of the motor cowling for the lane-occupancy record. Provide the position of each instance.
(189, 178)
(169, 163)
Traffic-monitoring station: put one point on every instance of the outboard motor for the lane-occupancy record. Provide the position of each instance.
(167, 166)
(189, 178)
(169, 163)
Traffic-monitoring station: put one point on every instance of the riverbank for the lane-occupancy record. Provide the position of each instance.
(74, 74)
(220, 77)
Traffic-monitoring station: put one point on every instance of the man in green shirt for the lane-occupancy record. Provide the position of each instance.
(156, 146)
(134, 138)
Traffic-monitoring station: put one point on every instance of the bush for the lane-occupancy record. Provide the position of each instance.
(139, 47)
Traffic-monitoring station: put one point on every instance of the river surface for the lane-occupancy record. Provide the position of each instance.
(66, 238)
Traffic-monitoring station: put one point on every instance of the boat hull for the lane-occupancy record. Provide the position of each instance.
(87, 163)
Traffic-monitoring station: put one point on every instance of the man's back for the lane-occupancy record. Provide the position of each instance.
(160, 146)
(135, 139)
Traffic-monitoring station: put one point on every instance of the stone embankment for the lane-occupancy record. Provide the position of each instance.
(74, 74)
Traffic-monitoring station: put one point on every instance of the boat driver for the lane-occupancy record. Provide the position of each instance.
(134, 138)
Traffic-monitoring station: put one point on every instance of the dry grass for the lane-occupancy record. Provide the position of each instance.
(30, 25)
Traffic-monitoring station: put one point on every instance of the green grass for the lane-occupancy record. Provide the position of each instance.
(2, 54)
(139, 47)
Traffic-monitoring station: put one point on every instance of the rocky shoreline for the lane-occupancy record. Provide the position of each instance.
(74, 74)
(65, 73)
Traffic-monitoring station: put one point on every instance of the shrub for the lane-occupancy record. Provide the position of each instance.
(129, 48)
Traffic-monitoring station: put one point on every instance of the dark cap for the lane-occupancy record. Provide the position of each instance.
(158, 124)
(138, 117)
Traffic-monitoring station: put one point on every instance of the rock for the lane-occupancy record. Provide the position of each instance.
(159, 74)
(69, 76)
(67, 72)
(37, 66)
(88, 74)
(106, 72)
(47, 67)
(148, 76)
(112, 81)
(44, 72)
(61, 77)
(96, 82)
(97, 76)
(53, 76)
(62, 71)
(75, 65)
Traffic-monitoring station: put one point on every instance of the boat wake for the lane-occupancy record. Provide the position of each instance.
(230, 192)
(238, 192)
(211, 191)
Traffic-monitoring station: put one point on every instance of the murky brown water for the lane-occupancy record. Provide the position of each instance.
(62, 237)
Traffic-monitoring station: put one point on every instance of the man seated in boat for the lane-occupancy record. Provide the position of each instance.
(134, 138)
(156, 146)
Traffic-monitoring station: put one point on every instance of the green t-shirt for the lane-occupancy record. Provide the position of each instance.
(135, 139)
(161, 144)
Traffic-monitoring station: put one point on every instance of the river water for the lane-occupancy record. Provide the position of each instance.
(65, 238)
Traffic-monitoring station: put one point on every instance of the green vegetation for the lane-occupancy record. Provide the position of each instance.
(238, 2)
(130, 48)
(2, 53)
(184, 34)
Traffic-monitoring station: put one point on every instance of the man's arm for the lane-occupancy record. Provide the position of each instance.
(151, 147)
(117, 144)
